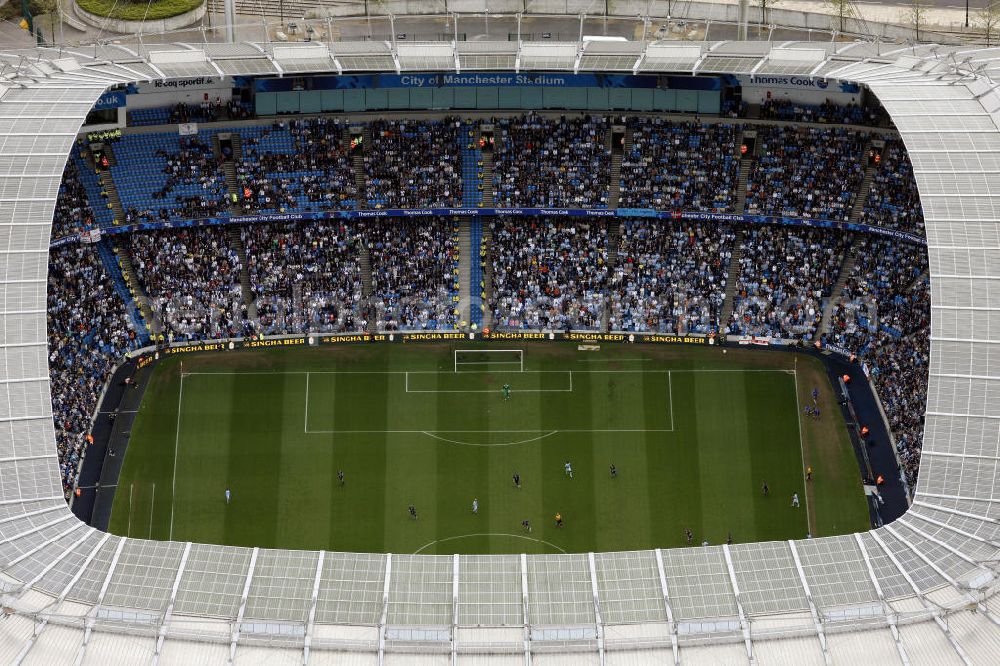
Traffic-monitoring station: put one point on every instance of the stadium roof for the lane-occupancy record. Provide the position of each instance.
(923, 585)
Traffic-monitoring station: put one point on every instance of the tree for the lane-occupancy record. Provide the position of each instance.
(916, 15)
(12, 11)
(844, 9)
(988, 20)
(764, 6)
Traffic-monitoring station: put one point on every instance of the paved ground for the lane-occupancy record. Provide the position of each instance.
(943, 15)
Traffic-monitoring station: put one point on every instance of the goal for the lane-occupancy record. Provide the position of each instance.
(511, 360)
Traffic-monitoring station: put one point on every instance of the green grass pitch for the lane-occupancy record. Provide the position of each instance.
(693, 434)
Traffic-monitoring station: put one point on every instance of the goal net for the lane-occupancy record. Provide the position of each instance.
(510, 360)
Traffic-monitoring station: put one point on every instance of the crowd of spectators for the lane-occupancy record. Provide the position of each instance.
(883, 316)
(414, 164)
(878, 294)
(193, 186)
(549, 273)
(670, 277)
(806, 172)
(295, 165)
(72, 214)
(784, 276)
(304, 165)
(680, 166)
(206, 111)
(899, 369)
(195, 164)
(551, 162)
(893, 201)
(305, 277)
(192, 279)
(89, 332)
(414, 265)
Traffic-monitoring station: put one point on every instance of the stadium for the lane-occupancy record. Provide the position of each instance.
(482, 351)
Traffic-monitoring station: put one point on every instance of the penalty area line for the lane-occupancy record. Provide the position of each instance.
(305, 425)
(128, 529)
(670, 398)
(488, 534)
(152, 503)
(430, 433)
(802, 452)
(177, 445)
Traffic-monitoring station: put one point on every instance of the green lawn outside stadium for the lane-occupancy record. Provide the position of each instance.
(692, 432)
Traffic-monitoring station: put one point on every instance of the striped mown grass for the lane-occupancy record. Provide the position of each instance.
(692, 433)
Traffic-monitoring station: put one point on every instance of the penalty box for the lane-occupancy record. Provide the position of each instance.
(470, 401)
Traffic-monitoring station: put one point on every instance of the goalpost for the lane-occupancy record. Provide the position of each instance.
(480, 359)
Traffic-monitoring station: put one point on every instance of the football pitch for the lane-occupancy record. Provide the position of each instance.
(693, 434)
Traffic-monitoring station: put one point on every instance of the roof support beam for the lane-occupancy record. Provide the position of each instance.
(91, 616)
(54, 507)
(170, 605)
(384, 616)
(935, 611)
(661, 570)
(454, 609)
(638, 62)
(890, 615)
(957, 553)
(22, 500)
(812, 604)
(598, 622)
(62, 595)
(310, 623)
(39, 528)
(52, 565)
(951, 528)
(28, 553)
(926, 560)
(739, 605)
(524, 605)
(235, 637)
(957, 512)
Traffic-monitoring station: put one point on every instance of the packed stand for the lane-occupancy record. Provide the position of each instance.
(305, 277)
(899, 369)
(784, 276)
(549, 274)
(883, 316)
(879, 294)
(680, 166)
(806, 172)
(414, 164)
(89, 332)
(551, 162)
(190, 183)
(72, 214)
(295, 165)
(670, 277)
(827, 112)
(414, 273)
(192, 279)
(893, 201)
